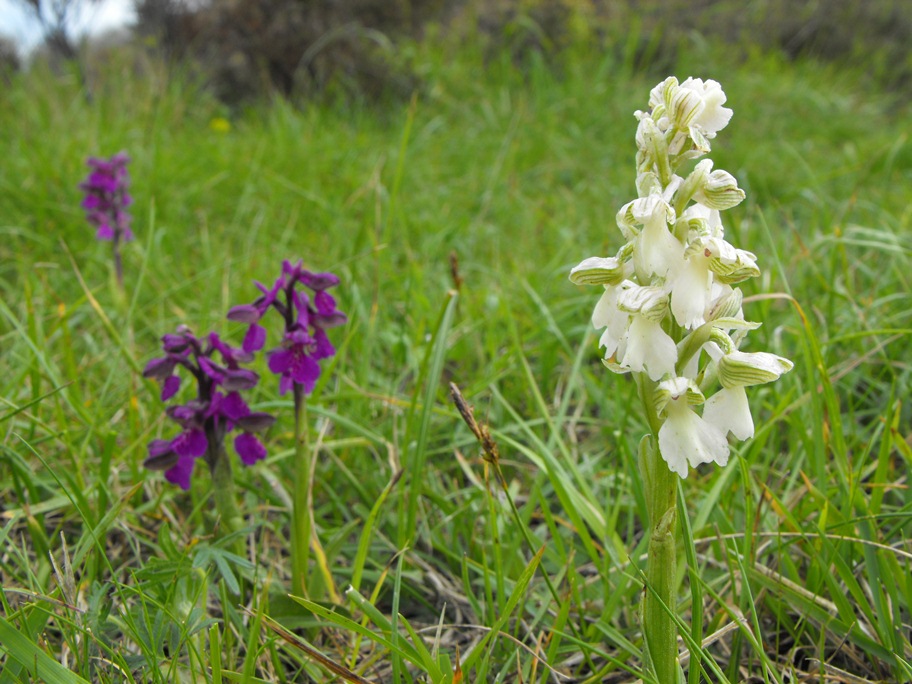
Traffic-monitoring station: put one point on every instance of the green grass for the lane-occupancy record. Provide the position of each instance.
(797, 552)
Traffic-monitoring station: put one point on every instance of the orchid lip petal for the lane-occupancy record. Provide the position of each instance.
(254, 339)
(170, 387)
(249, 448)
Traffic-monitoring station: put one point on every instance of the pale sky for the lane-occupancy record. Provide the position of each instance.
(19, 23)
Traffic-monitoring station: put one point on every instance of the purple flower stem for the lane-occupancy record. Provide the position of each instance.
(118, 262)
(302, 512)
(230, 519)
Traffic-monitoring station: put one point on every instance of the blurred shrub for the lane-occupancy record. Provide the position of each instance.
(250, 48)
(9, 59)
(876, 33)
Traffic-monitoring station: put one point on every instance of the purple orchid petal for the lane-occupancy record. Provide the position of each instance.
(323, 347)
(322, 281)
(297, 336)
(255, 338)
(180, 473)
(325, 303)
(292, 270)
(234, 407)
(269, 295)
(332, 321)
(239, 379)
(244, 313)
(249, 448)
(185, 414)
(300, 300)
(192, 443)
(160, 368)
(230, 355)
(106, 196)
(305, 371)
(213, 370)
(256, 422)
(176, 343)
(280, 360)
(161, 456)
(170, 387)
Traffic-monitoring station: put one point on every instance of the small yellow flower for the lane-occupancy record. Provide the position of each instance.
(220, 124)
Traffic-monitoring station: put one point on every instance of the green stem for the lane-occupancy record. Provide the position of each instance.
(658, 622)
(301, 520)
(659, 627)
(230, 519)
(118, 263)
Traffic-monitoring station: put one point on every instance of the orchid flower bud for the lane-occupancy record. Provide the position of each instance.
(742, 369)
(719, 190)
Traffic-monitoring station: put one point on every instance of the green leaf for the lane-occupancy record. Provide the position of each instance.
(40, 666)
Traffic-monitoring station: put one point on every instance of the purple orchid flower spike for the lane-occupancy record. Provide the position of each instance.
(308, 310)
(217, 409)
(106, 201)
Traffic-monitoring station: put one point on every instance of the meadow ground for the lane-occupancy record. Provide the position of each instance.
(453, 221)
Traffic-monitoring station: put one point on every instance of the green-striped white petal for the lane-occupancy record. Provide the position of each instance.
(743, 369)
(649, 301)
(675, 389)
(599, 271)
(719, 190)
(734, 269)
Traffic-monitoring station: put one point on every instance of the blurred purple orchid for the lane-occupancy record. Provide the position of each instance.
(106, 201)
(107, 198)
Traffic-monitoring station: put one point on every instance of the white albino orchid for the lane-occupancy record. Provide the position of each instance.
(686, 439)
(668, 298)
(668, 294)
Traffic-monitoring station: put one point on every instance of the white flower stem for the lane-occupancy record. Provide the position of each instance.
(660, 482)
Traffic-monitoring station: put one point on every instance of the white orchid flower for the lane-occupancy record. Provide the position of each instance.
(728, 409)
(607, 315)
(711, 117)
(655, 249)
(686, 439)
(647, 346)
